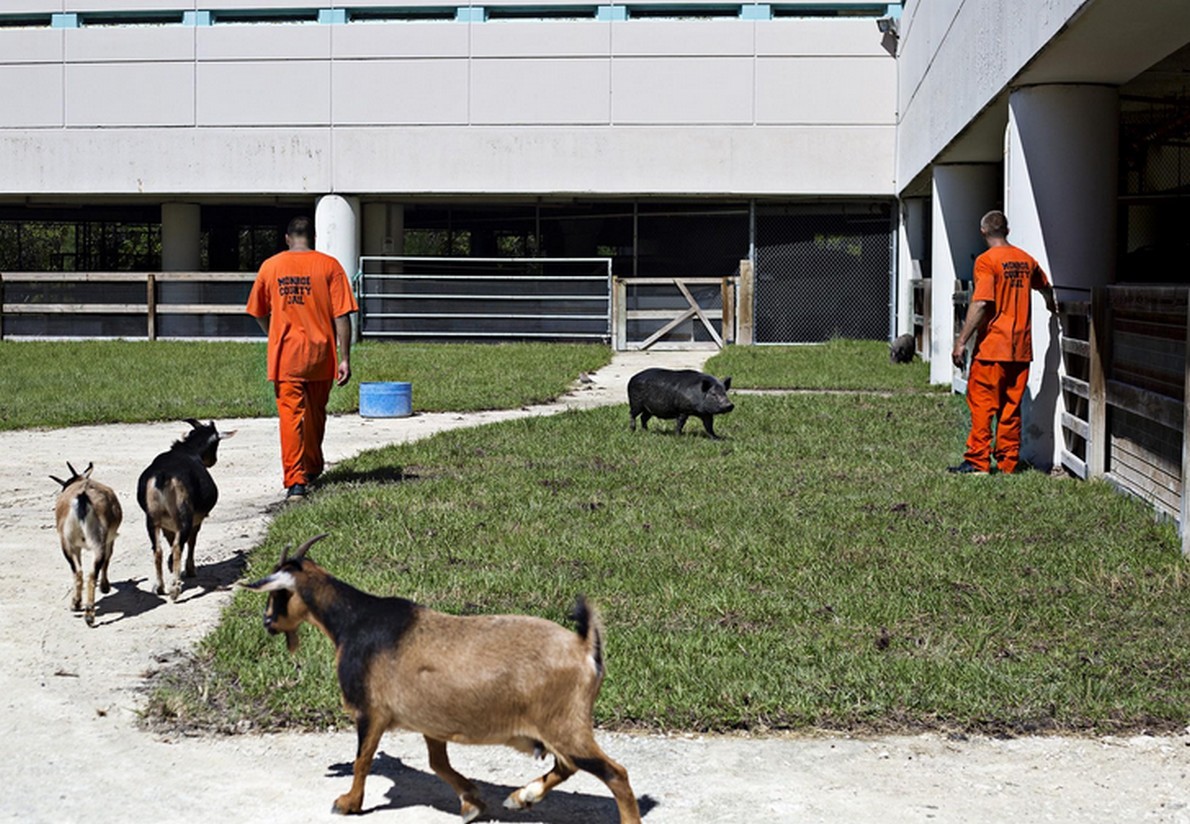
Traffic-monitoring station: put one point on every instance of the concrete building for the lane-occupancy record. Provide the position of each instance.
(675, 137)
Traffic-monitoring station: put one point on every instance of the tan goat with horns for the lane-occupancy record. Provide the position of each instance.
(87, 515)
(484, 679)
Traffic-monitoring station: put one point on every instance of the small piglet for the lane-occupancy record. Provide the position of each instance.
(902, 349)
(666, 393)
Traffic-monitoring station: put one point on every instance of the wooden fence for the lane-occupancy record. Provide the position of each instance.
(33, 293)
(1124, 391)
(676, 307)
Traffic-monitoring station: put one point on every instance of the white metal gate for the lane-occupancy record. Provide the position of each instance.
(485, 298)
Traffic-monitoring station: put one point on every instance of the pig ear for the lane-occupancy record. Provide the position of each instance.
(727, 382)
(707, 383)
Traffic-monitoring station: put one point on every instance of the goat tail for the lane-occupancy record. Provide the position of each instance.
(82, 506)
(590, 628)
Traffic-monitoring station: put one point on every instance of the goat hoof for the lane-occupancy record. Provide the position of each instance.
(105, 587)
(472, 810)
(90, 619)
(345, 806)
(525, 797)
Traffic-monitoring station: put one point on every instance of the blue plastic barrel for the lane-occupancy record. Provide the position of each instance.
(385, 399)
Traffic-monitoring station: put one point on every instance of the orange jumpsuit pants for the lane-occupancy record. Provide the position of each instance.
(995, 389)
(301, 408)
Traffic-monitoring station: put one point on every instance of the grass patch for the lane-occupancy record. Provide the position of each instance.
(71, 383)
(836, 364)
(817, 569)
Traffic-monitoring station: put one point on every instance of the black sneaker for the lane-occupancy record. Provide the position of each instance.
(966, 468)
(295, 491)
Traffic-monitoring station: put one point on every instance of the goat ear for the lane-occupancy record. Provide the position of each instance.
(87, 471)
(225, 435)
(301, 551)
(272, 583)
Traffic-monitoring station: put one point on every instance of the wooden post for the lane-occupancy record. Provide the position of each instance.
(1, 307)
(151, 305)
(619, 315)
(1184, 521)
(728, 316)
(1100, 359)
(746, 330)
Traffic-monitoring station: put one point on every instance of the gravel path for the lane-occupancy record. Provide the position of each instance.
(69, 695)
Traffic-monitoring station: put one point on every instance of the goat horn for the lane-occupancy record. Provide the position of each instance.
(301, 552)
(73, 472)
(193, 423)
(284, 555)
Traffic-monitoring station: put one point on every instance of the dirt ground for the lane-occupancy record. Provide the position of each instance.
(69, 695)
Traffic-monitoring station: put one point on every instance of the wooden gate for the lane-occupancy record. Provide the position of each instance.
(674, 313)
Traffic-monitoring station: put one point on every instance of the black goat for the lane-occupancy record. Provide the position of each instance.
(177, 492)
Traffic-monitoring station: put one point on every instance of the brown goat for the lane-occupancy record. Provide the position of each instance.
(87, 515)
(485, 679)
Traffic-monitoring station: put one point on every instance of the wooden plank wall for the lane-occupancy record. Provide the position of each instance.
(1125, 391)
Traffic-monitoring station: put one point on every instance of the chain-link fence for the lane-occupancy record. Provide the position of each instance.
(823, 271)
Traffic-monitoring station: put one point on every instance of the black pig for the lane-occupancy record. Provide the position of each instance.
(902, 349)
(666, 393)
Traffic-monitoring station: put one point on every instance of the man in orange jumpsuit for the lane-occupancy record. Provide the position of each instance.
(303, 300)
(999, 319)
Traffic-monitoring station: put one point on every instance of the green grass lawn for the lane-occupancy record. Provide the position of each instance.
(69, 383)
(816, 569)
(836, 364)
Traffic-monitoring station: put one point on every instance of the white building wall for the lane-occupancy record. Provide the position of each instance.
(955, 58)
(725, 106)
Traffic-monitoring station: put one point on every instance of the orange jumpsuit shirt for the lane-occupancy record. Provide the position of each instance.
(1005, 275)
(302, 292)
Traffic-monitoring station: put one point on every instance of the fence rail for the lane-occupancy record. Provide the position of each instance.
(417, 297)
(24, 294)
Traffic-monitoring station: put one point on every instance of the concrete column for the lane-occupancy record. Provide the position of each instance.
(337, 230)
(1061, 180)
(911, 258)
(963, 193)
(181, 237)
(383, 229)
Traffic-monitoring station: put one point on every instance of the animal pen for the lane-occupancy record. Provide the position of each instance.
(1124, 388)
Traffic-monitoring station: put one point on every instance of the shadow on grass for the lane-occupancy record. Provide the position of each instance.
(379, 475)
(415, 788)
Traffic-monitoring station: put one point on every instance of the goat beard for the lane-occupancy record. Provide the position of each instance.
(292, 640)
